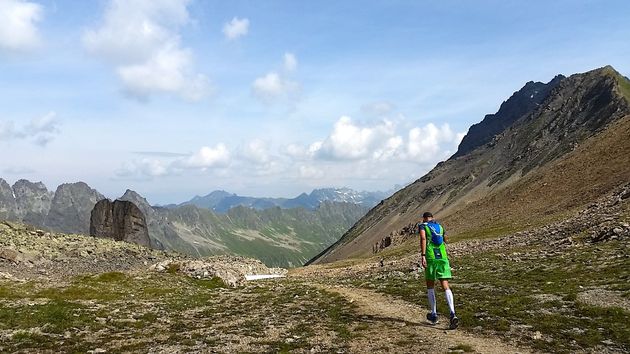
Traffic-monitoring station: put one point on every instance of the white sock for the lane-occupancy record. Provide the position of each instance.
(449, 300)
(431, 296)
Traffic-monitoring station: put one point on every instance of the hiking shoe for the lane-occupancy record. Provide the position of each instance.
(432, 317)
(454, 322)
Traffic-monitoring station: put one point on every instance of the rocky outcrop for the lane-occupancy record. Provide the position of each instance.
(33, 201)
(160, 233)
(519, 104)
(71, 208)
(28, 253)
(7, 201)
(119, 220)
(232, 270)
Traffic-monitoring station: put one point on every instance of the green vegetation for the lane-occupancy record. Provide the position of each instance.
(125, 312)
(527, 291)
(278, 237)
(624, 86)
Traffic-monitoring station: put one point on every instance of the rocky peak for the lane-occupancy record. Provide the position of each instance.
(71, 207)
(139, 201)
(8, 205)
(519, 104)
(33, 201)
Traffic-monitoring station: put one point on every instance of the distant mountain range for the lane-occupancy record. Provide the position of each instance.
(280, 232)
(222, 201)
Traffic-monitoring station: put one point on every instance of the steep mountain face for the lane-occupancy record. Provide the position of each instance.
(33, 201)
(71, 207)
(555, 157)
(520, 103)
(8, 205)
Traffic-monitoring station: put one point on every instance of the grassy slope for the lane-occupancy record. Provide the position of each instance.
(125, 313)
(592, 170)
(515, 297)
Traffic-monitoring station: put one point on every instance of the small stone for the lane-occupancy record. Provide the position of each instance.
(10, 255)
(537, 335)
(608, 342)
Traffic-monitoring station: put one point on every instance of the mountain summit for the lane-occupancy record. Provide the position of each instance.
(551, 148)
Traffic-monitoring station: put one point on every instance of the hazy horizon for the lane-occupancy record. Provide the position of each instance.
(179, 98)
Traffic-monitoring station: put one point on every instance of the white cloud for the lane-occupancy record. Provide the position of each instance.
(143, 169)
(257, 151)
(141, 39)
(310, 172)
(208, 157)
(167, 71)
(274, 86)
(295, 151)
(290, 62)
(41, 130)
(18, 29)
(378, 142)
(7, 130)
(236, 28)
(174, 163)
(425, 143)
(47, 123)
(350, 141)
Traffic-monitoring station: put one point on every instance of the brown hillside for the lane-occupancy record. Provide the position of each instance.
(571, 148)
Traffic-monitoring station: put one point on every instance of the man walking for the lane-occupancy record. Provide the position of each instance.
(436, 265)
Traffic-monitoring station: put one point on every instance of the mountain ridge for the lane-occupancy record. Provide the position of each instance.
(221, 201)
(280, 237)
(577, 109)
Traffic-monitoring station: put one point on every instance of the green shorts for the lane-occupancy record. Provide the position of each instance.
(437, 269)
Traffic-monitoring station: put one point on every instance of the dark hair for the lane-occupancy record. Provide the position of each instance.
(427, 215)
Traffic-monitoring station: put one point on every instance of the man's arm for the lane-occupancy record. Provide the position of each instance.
(423, 247)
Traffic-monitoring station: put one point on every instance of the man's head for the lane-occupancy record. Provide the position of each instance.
(427, 216)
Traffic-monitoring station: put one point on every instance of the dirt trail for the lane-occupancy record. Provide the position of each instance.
(438, 337)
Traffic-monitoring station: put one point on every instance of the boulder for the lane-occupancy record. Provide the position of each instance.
(119, 220)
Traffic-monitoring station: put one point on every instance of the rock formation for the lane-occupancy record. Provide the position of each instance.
(33, 201)
(71, 207)
(119, 220)
(7, 201)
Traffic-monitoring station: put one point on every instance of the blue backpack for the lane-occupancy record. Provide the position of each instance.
(436, 230)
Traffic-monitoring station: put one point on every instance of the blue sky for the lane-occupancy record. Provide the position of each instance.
(174, 98)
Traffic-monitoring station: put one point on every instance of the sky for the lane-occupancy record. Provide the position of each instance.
(176, 98)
